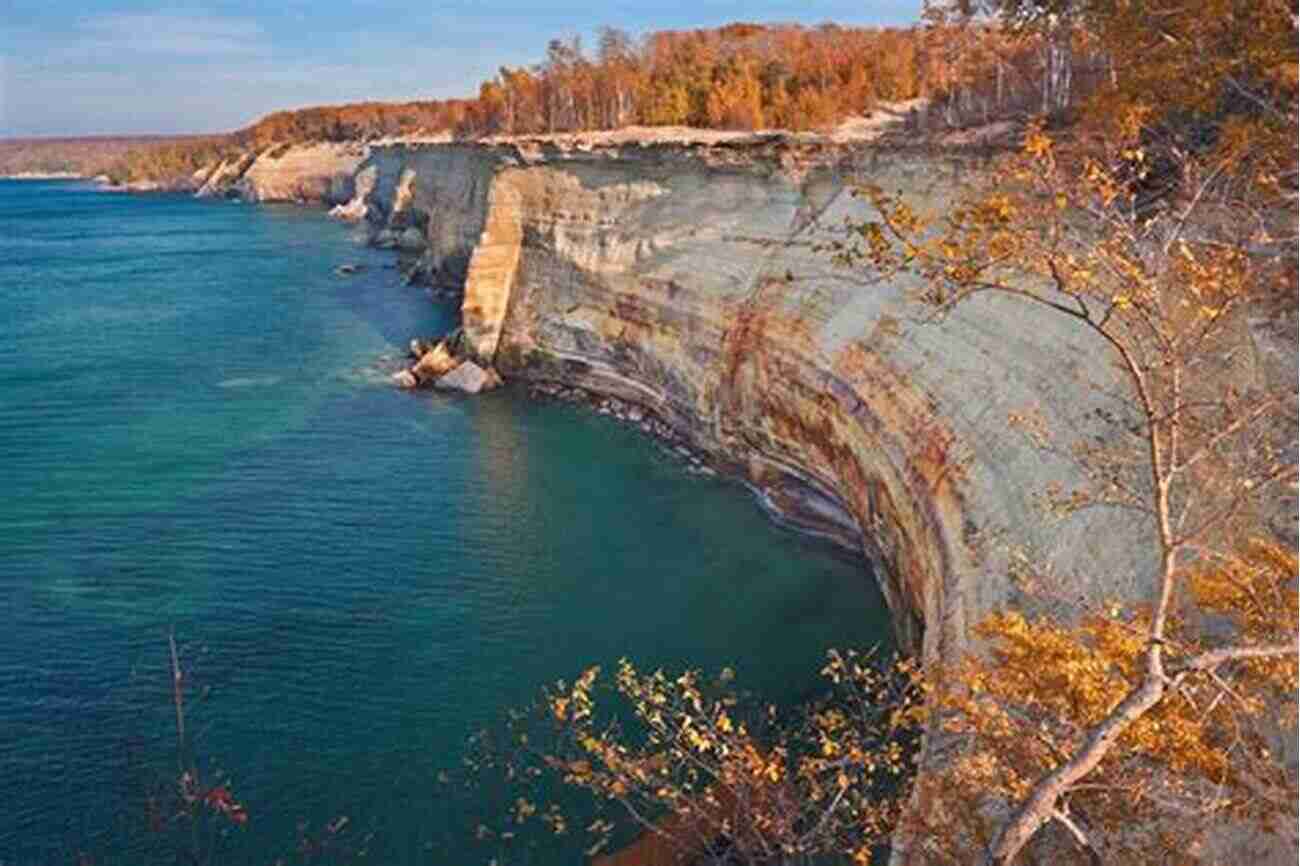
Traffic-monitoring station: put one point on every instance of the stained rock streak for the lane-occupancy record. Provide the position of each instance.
(691, 279)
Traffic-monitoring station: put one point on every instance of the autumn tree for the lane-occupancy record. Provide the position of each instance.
(735, 101)
(739, 76)
(706, 774)
(1162, 238)
(1177, 781)
(620, 77)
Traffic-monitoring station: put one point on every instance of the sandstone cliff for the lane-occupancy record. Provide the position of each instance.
(688, 278)
(321, 172)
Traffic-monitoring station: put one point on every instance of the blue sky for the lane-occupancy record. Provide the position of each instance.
(133, 67)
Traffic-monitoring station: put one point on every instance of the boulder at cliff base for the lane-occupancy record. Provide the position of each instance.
(434, 364)
(469, 378)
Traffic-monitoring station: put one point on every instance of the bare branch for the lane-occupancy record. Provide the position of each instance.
(1063, 818)
(1208, 661)
(1208, 445)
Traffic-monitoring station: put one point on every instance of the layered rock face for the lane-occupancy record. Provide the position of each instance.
(323, 172)
(692, 280)
(440, 191)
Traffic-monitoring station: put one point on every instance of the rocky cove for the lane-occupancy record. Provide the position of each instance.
(686, 287)
(390, 572)
(689, 279)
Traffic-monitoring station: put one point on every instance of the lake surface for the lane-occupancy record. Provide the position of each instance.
(197, 432)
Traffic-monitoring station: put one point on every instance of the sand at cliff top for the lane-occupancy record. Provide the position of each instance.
(888, 117)
(886, 120)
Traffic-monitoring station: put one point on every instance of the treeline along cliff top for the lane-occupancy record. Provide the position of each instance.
(737, 77)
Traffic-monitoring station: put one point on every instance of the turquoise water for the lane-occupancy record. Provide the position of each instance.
(195, 432)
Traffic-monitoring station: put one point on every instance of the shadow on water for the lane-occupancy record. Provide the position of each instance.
(378, 293)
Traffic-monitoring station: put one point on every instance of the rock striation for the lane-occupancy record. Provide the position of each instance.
(685, 287)
(689, 279)
(322, 172)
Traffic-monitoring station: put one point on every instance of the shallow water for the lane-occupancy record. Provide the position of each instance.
(196, 431)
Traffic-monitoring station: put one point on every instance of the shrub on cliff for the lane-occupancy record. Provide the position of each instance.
(704, 774)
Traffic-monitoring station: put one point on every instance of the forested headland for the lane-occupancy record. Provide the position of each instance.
(88, 156)
(738, 77)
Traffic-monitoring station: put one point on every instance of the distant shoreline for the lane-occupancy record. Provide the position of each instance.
(44, 175)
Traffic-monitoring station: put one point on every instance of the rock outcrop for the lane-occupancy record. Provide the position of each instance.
(220, 179)
(688, 285)
(322, 172)
(355, 209)
(443, 365)
(469, 378)
(434, 364)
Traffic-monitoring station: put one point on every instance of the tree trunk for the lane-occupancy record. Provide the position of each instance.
(1038, 809)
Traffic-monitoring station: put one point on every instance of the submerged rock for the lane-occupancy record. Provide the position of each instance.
(411, 239)
(469, 378)
(405, 379)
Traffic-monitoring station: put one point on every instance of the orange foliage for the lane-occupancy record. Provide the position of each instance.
(741, 76)
(755, 76)
(1181, 770)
